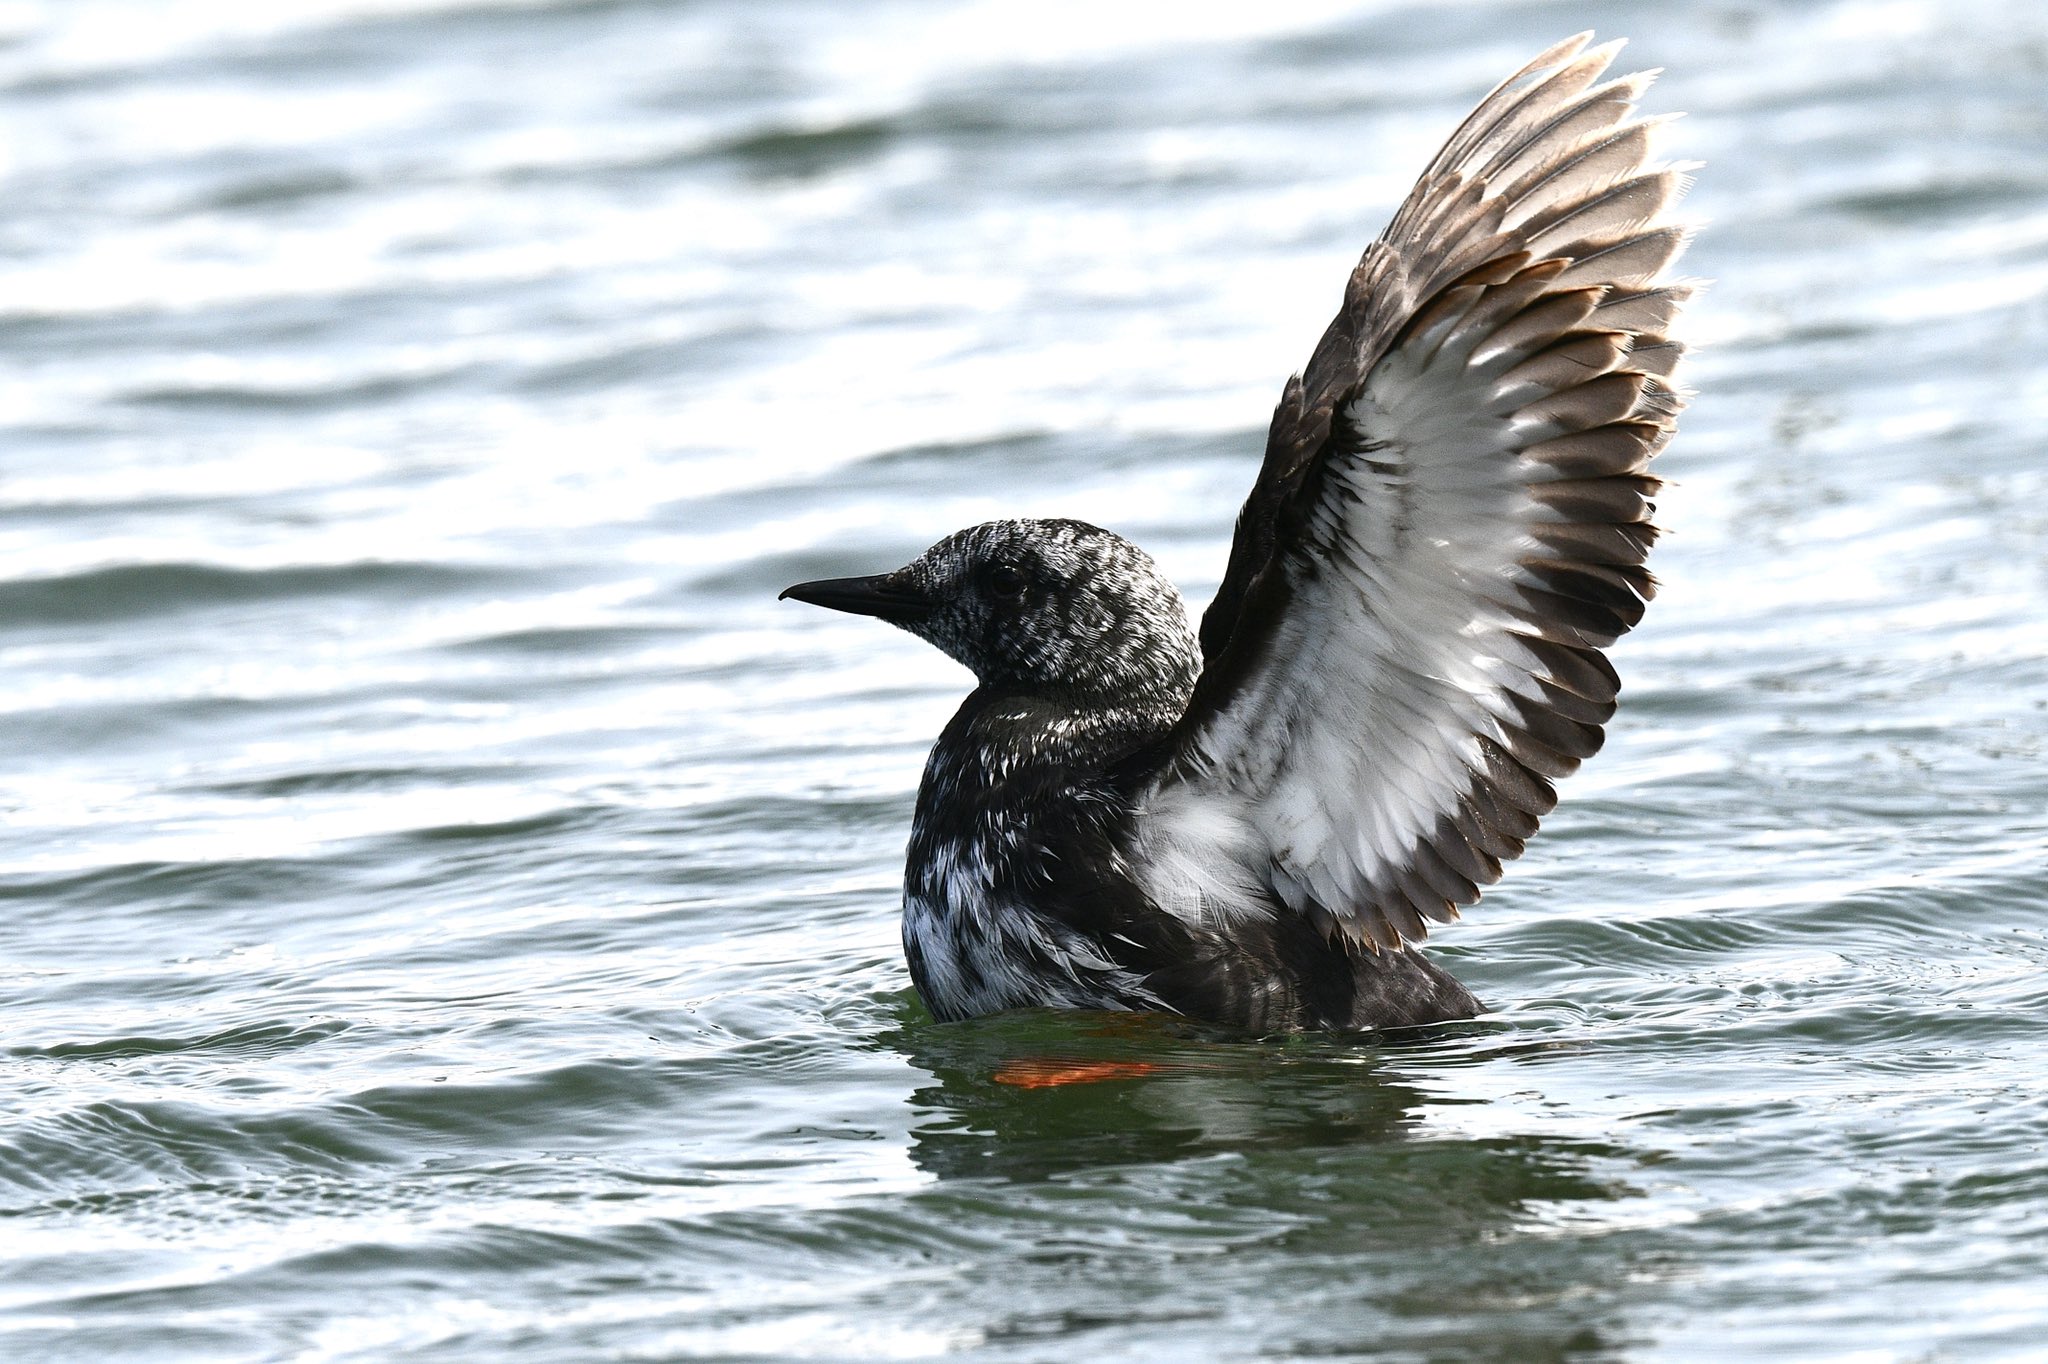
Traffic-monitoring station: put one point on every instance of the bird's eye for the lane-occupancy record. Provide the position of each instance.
(1006, 580)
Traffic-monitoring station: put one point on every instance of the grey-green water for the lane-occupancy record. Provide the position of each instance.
(450, 907)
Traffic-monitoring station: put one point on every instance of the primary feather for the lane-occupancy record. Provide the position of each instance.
(1450, 525)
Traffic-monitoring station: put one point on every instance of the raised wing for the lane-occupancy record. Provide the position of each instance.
(1450, 524)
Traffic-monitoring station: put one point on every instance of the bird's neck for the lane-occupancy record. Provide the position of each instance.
(1008, 761)
(1014, 730)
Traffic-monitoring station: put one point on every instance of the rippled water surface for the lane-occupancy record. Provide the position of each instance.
(450, 906)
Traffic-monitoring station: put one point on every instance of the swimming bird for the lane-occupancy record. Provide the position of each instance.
(1255, 826)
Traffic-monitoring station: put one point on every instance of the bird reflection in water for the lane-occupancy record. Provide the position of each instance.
(1041, 1093)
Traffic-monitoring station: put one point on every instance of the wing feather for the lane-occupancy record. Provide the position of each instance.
(1450, 524)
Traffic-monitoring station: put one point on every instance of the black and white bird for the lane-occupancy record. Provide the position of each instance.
(1255, 826)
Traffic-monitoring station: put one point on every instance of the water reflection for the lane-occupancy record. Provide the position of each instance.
(1034, 1095)
(1127, 1149)
(1028, 1096)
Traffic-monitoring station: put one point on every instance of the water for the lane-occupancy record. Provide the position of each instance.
(450, 906)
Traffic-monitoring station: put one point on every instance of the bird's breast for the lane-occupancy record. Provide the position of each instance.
(979, 940)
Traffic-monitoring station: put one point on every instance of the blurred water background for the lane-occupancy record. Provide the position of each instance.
(450, 907)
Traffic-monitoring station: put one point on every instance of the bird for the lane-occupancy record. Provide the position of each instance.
(1255, 825)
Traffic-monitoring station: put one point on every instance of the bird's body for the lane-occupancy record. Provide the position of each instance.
(1028, 883)
(1252, 827)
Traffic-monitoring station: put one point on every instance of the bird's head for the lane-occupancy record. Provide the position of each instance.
(1048, 607)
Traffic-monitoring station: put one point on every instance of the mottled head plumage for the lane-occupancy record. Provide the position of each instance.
(1051, 607)
(1056, 606)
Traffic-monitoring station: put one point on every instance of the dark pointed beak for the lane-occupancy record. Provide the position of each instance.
(883, 596)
